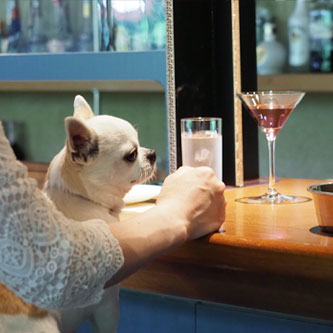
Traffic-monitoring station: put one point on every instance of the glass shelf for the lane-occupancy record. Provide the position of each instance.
(295, 37)
(309, 82)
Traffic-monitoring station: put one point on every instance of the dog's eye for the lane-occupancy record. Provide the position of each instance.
(131, 157)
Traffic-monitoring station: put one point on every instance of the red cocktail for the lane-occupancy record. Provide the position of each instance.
(271, 110)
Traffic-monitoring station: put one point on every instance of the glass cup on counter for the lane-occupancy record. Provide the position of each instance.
(201, 139)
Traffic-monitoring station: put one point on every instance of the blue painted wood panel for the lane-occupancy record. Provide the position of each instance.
(227, 319)
(150, 65)
(152, 313)
(148, 313)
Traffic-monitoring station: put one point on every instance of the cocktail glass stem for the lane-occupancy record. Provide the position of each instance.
(271, 153)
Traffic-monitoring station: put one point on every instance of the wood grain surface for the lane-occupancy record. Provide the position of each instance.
(269, 257)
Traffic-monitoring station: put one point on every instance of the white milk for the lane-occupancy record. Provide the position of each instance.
(203, 148)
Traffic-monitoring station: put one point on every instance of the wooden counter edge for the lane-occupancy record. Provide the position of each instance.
(259, 284)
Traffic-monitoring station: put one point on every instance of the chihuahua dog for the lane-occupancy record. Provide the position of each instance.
(87, 179)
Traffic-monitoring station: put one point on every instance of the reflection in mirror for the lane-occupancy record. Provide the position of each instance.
(41, 135)
(207, 64)
(126, 84)
(56, 26)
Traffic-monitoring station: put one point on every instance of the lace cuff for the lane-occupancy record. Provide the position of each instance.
(46, 258)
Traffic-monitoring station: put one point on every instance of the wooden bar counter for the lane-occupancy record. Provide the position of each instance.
(269, 257)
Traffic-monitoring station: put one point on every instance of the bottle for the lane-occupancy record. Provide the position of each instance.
(104, 9)
(320, 30)
(122, 42)
(298, 30)
(140, 37)
(2, 36)
(271, 54)
(157, 26)
(14, 36)
(158, 36)
(85, 39)
(36, 37)
(263, 15)
(131, 25)
(60, 39)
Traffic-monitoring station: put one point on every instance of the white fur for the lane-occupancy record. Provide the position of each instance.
(56, 180)
(88, 179)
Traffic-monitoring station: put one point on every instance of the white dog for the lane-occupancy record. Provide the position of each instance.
(87, 179)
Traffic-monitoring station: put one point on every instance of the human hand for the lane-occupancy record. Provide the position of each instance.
(191, 204)
(197, 196)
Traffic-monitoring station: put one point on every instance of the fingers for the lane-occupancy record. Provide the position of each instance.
(183, 169)
(202, 170)
(219, 186)
(202, 173)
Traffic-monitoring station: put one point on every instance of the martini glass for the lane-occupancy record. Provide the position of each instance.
(271, 109)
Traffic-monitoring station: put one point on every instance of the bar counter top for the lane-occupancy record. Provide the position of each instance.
(272, 258)
(269, 257)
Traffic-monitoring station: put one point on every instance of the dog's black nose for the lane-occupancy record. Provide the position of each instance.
(151, 156)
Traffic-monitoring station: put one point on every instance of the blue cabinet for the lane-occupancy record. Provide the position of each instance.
(224, 318)
(148, 313)
(154, 313)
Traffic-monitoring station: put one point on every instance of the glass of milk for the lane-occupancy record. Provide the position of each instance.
(202, 143)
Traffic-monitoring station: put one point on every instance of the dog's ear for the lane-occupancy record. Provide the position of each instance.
(82, 141)
(82, 109)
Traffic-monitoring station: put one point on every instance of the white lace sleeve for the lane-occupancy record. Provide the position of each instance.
(45, 258)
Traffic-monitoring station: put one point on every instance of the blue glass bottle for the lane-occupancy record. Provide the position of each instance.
(36, 36)
(14, 37)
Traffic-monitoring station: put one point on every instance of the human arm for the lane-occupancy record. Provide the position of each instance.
(55, 262)
(45, 258)
(190, 205)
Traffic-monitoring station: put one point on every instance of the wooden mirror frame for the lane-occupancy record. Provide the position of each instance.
(211, 55)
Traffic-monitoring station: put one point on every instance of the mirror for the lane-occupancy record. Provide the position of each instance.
(211, 56)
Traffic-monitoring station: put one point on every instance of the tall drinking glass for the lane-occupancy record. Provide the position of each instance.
(271, 109)
(202, 143)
